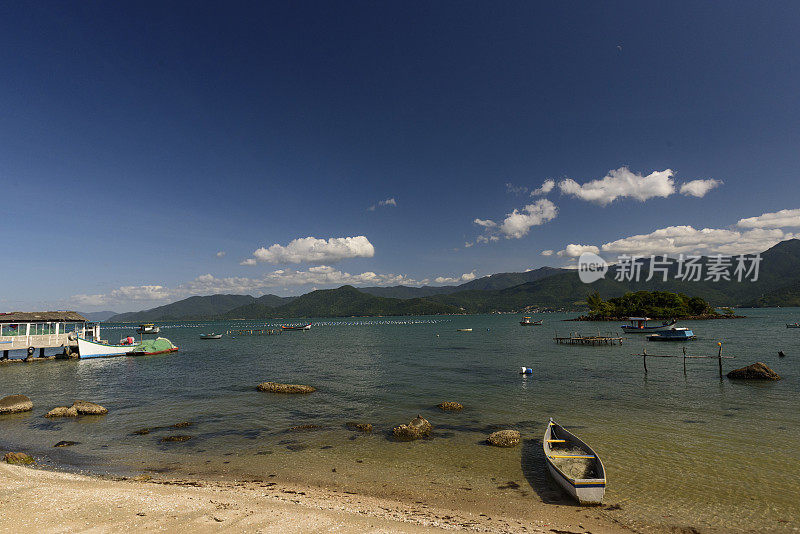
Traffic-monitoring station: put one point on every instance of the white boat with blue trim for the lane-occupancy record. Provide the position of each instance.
(96, 349)
(638, 325)
(574, 465)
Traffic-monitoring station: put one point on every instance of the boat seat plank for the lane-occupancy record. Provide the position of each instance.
(556, 441)
(570, 456)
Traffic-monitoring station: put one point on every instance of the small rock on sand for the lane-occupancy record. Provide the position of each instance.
(89, 408)
(755, 371)
(15, 404)
(62, 411)
(450, 406)
(65, 443)
(361, 427)
(275, 387)
(504, 438)
(417, 428)
(18, 458)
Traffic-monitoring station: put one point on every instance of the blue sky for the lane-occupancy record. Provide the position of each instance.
(141, 140)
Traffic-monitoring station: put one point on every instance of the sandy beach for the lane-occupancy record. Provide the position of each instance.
(35, 500)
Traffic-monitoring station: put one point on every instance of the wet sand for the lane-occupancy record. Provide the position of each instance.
(36, 500)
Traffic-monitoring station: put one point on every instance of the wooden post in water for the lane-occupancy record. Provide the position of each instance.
(719, 359)
(684, 361)
(644, 360)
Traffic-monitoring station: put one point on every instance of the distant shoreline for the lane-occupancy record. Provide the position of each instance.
(704, 317)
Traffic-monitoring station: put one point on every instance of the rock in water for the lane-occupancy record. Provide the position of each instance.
(65, 443)
(504, 438)
(361, 427)
(419, 427)
(755, 371)
(62, 411)
(275, 387)
(89, 408)
(18, 458)
(450, 406)
(166, 439)
(15, 404)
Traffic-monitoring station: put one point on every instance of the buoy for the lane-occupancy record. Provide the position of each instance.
(526, 371)
(781, 354)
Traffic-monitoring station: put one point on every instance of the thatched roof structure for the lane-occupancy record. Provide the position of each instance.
(43, 317)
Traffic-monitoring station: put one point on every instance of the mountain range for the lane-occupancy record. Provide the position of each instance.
(778, 284)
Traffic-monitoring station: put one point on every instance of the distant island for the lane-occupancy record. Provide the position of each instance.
(546, 288)
(652, 304)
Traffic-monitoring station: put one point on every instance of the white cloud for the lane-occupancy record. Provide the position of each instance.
(486, 223)
(388, 202)
(518, 223)
(688, 240)
(621, 183)
(313, 250)
(221, 254)
(248, 261)
(466, 277)
(699, 188)
(548, 252)
(574, 251)
(468, 244)
(778, 219)
(545, 188)
(516, 190)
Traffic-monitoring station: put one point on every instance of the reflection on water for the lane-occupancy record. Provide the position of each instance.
(678, 449)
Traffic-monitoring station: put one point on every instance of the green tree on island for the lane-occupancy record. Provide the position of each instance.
(654, 304)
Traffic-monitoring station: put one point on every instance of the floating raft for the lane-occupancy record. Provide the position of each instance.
(576, 339)
(253, 332)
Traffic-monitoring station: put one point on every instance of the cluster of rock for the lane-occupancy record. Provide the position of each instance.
(360, 427)
(450, 406)
(15, 404)
(78, 408)
(504, 438)
(755, 371)
(18, 458)
(417, 428)
(275, 387)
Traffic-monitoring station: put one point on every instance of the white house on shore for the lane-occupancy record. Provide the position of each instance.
(40, 330)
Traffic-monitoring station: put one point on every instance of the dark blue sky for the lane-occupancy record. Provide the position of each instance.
(138, 140)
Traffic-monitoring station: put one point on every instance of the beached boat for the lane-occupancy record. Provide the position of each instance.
(150, 347)
(638, 325)
(793, 325)
(148, 328)
(574, 465)
(296, 327)
(526, 321)
(210, 336)
(96, 349)
(673, 334)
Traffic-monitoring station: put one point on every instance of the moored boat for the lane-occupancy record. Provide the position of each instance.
(638, 325)
(526, 321)
(296, 327)
(96, 349)
(150, 347)
(674, 334)
(574, 465)
(210, 336)
(464, 330)
(148, 328)
(792, 325)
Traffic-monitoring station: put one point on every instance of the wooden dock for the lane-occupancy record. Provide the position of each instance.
(577, 339)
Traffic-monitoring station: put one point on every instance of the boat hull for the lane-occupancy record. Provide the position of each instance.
(585, 491)
(168, 351)
(93, 349)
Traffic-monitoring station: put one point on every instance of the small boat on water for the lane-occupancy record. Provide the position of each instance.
(210, 336)
(96, 349)
(674, 334)
(638, 325)
(464, 330)
(526, 321)
(148, 328)
(792, 325)
(296, 327)
(574, 465)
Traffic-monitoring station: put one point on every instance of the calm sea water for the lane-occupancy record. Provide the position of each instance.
(678, 449)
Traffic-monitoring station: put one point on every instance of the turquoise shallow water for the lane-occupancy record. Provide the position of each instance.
(678, 449)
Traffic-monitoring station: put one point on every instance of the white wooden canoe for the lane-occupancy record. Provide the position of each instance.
(559, 446)
(93, 349)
